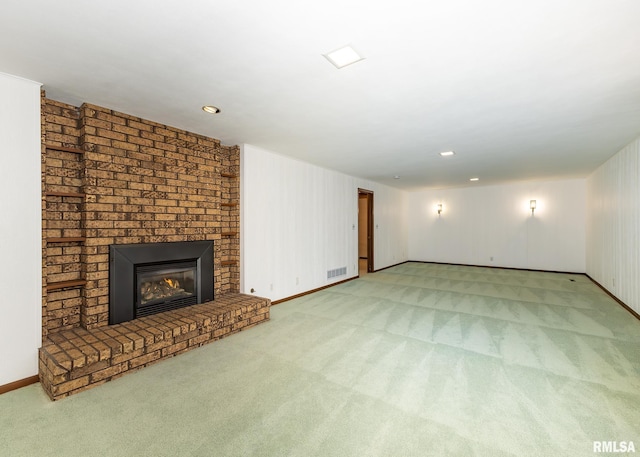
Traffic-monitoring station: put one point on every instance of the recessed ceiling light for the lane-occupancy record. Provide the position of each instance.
(211, 109)
(447, 153)
(344, 56)
(474, 179)
(396, 177)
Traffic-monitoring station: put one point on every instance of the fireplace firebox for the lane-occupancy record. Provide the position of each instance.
(165, 286)
(149, 278)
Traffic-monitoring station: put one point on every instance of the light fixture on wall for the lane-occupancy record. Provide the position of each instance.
(439, 208)
(532, 205)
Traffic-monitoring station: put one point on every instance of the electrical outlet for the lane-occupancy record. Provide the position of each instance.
(297, 281)
(271, 287)
(491, 258)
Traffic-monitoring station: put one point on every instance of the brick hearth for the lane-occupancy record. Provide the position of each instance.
(75, 360)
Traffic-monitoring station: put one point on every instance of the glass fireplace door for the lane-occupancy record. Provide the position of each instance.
(165, 286)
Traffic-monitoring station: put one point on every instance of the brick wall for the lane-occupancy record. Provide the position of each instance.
(62, 173)
(135, 181)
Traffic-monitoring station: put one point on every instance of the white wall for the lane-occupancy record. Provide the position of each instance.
(478, 223)
(613, 215)
(20, 229)
(299, 220)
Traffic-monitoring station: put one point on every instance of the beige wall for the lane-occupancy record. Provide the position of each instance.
(493, 225)
(300, 220)
(20, 232)
(613, 225)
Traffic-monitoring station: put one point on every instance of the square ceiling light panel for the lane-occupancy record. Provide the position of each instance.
(344, 56)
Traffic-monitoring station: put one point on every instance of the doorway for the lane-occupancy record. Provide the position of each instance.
(365, 231)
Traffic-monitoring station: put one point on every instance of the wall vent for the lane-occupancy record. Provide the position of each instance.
(336, 272)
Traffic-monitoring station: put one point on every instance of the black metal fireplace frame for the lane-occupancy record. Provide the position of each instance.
(123, 259)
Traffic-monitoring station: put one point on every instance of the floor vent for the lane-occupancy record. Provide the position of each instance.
(336, 272)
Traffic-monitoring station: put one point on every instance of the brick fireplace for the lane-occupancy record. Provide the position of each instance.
(111, 179)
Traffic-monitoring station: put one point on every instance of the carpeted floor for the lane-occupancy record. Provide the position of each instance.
(416, 360)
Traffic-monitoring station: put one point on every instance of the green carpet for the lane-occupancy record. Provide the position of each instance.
(416, 360)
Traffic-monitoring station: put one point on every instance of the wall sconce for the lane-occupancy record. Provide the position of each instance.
(532, 205)
(439, 208)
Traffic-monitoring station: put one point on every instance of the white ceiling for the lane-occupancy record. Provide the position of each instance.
(521, 90)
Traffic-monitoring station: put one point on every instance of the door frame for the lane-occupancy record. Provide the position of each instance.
(369, 196)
